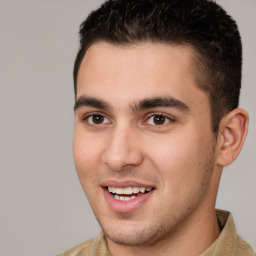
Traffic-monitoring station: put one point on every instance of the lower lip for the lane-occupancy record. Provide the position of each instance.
(126, 206)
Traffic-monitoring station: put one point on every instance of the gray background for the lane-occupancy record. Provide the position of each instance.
(43, 210)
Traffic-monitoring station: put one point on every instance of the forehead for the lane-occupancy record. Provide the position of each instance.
(145, 55)
(130, 72)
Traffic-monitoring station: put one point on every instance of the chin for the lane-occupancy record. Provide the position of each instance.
(131, 239)
(136, 234)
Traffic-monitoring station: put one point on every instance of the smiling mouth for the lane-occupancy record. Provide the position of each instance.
(128, 193)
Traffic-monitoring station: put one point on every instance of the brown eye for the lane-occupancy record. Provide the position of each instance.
(97, 119)
(158, 119)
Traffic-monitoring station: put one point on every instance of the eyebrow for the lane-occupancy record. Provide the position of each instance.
(136, 106)
(91, 102)
(155, 102)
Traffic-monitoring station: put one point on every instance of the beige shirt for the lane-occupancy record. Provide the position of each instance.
(229, 243)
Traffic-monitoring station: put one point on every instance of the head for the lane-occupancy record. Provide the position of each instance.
(157, 85)
(201, 24)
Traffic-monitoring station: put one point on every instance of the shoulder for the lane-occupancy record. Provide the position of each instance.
(96, 246)
(229, 242)
(242, 247)
(78, 249)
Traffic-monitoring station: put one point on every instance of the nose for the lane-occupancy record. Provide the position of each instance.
(123, 149)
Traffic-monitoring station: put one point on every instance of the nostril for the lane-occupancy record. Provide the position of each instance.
(120, 153)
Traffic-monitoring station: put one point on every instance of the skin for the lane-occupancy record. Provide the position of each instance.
(179, 156)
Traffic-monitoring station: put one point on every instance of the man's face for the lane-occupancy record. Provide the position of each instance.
(143, 144)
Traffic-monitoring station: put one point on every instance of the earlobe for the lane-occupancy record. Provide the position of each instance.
(232, 133)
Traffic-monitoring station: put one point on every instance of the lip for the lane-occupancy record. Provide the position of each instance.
(126, 206)
(124, 184)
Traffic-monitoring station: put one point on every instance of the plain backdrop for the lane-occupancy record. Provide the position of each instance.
(43, 210)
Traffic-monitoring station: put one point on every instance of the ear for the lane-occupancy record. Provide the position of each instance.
(231, 136)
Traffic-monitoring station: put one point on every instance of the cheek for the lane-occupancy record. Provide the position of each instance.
(180, 158)
(87, 156)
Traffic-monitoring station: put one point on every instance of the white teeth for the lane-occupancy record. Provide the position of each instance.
(128, 190)
(119, 191)
(136, 190)
(142, 190)
(117, 197)
(124, 198)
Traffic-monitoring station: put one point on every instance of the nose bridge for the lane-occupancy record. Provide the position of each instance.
(122, 149)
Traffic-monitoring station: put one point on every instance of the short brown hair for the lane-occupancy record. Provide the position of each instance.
(201, 24)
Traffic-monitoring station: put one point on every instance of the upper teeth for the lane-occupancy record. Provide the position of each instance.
(128, 190)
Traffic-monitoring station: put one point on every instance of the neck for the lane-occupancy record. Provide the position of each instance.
(199, 231)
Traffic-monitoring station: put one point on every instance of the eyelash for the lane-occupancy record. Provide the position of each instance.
(91, 115)
(167, 119)
(162, 115)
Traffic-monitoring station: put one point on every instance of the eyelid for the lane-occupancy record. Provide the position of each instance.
(170, 117)
(86, 116)
(92, 113)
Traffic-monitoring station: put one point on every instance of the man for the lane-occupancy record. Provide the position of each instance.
(157, 87)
